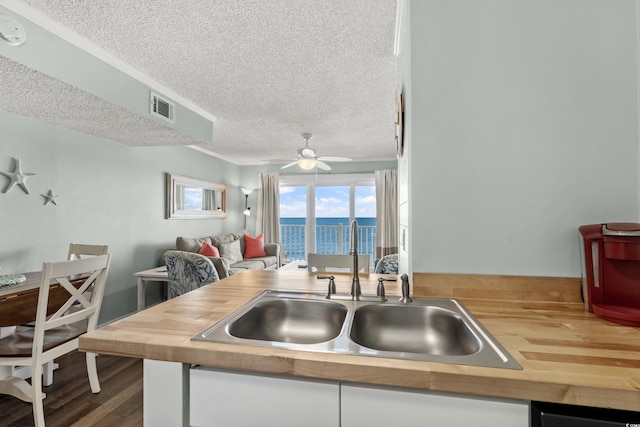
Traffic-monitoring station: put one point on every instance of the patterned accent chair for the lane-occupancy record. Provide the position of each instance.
(388, 264)
(188, 271)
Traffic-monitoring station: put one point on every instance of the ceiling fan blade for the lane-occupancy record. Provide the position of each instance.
(335, 159)
(289, 165)
(276, 161)
(323, 165)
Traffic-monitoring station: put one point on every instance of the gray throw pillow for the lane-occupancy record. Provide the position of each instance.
(219, 240)
(231, 251)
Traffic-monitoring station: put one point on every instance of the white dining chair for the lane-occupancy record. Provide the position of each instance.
(56, 328)
(337, 263)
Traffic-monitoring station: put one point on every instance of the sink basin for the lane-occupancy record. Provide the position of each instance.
(291, 321)
(413, 329)
(428, 329)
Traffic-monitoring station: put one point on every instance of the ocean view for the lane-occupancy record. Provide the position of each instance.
(332, 236)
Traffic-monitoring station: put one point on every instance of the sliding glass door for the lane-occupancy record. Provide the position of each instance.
(293, 222)
(315, 214)
(332, 219)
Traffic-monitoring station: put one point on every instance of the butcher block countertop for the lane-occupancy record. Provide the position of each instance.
(568, 355)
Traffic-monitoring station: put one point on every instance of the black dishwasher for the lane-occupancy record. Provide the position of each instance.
(555, 415)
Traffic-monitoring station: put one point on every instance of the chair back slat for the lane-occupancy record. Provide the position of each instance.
(81, 250)
(77, 294)
(94, 273)
(70, 318)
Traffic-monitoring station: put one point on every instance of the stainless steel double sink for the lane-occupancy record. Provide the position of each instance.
(427, 329)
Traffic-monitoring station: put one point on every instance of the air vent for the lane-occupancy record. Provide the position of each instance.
(162, 108)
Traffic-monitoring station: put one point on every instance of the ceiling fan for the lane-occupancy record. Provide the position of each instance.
(308, 159)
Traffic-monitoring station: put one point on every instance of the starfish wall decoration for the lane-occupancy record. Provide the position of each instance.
(50, 197)
(17, 177)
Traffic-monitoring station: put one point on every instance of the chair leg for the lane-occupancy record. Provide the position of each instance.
(47, 372)
(92, 372)
(38, 396)
(38, 413)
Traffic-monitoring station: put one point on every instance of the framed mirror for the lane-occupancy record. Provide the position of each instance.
(191, 198)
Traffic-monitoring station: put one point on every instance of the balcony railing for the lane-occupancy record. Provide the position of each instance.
(330, 239)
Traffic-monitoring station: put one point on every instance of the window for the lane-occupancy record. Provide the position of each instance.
(316, 213)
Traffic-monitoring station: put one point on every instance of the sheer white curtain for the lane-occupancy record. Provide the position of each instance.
(268, 217)
(386, 212)
(208, 200)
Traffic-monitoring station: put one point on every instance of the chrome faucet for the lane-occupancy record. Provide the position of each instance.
(353, 251)
(356, 291)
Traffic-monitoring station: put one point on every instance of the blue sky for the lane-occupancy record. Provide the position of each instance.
(193, 199)
(331, 202)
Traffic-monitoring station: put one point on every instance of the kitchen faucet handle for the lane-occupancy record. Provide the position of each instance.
(332, 284)
(381, 280)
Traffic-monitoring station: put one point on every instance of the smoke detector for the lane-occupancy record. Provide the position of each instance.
(11, 31)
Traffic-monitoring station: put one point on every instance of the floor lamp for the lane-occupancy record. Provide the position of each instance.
(247, 209)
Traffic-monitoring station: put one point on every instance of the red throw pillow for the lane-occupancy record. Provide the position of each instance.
(254, 246)
(208, 249)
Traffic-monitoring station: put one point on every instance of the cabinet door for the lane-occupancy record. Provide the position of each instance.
(228, 398)
(371, 407)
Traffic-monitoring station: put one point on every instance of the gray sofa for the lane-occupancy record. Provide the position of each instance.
(228, 264)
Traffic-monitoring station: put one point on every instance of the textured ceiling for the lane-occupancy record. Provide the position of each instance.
(58, 103)
(268, 70)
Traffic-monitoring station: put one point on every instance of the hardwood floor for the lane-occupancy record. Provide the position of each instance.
(69, 400)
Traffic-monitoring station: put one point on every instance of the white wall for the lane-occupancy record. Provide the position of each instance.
(109, 193)
(523, 125)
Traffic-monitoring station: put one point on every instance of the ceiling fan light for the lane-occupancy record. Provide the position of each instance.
(307, 164)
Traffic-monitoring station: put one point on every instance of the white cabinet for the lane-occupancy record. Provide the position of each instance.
(230, 398)
(366, 406)
(238, 399)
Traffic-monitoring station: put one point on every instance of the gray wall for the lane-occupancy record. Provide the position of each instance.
(523, 123)
(109, 193)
